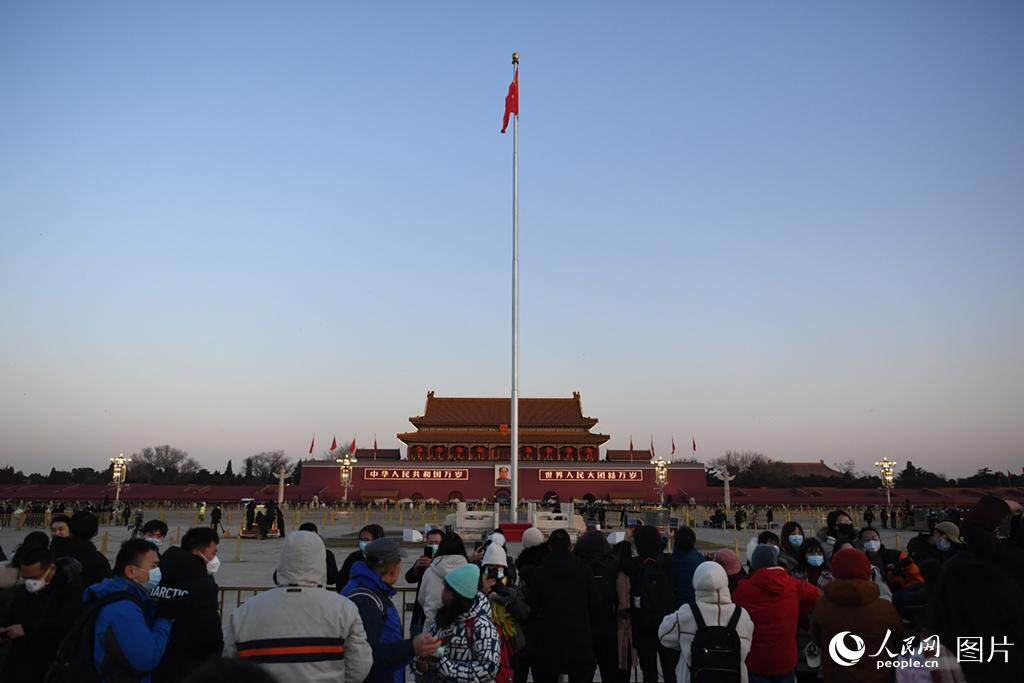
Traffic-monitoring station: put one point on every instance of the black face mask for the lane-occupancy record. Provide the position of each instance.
(844, 530)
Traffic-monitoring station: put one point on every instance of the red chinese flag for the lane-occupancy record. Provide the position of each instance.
(694, 443)
(511, 101)
(334, 443)
(352, 447)
(311, 444)
(673, 445)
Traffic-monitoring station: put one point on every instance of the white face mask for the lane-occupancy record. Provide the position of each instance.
(155, 540)
(213, 565)
(35, 585)
(872, 546)
(154, 580)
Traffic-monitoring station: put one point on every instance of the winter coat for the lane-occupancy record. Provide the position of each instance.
(189, 597)
(774, 600)
(472, 646)
(604, 568)
(509, 611)
(95, 565)
(529, 560)
(562, 596)
(432, 584)
(127, 633)
(316, 634)
(854, 605)
(683, 566)
(383, 626)
(46, 617)
(711, 593)
(346, 567)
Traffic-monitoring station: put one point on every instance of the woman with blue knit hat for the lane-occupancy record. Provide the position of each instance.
(472, 644)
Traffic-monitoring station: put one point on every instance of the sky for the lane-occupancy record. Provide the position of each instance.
(795, 228)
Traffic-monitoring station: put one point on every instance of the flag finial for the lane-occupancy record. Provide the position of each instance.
(515, 57)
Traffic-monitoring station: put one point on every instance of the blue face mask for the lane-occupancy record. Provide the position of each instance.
(434, 547)
(363, 544)
(154, 580)
(815, 560)
(796, 540)
(944, 544)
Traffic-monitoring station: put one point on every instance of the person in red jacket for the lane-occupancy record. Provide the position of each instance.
(775, 601)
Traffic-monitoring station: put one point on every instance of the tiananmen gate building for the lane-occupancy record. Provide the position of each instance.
(460, 448)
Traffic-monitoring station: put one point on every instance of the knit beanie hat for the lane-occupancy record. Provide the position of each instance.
(850, 563)
(464, 580)
(727, 558)
(764, 555)
(495, 555)
(988, 512)
(532, 537)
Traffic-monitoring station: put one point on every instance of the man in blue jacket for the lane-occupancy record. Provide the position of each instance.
(684, 563)
(129, 640)
(370, 588)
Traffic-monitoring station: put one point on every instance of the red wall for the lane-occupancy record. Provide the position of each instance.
(477, 481)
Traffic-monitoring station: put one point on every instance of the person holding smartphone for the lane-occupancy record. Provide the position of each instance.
(415, 575)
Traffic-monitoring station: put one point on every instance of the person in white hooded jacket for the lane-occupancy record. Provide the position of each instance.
(300, 631)
(677, 630)
(451, 553)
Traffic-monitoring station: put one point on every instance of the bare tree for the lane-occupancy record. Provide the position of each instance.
(162, 464)
(267, 464)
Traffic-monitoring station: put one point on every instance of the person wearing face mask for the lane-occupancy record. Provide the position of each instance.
(155, 532)
(42, 610)
(129, 639)
(371, 589)
(838, 528)
(812, 565)
(880, 557)
(450, 554)
(791, 538)
(941, 544)
(509, 610)
(189, 596)
(415, 576)
(370, 532)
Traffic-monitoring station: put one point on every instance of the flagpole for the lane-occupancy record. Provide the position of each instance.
(514, 507)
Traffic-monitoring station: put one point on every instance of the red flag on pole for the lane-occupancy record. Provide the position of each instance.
(375, 448)
(511, 101)
(311, 444)
(352, 447)
(652, 445)
(334, 443)
(673, 445)
(631, 448)
(694, 443)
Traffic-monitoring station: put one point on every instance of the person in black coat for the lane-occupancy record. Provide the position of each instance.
(593, 549)
(650, 545)
(562, 596)
(188, 596)
(527, 563)
(250, 514)
(370, 532)
(41, 613)
(83, 527)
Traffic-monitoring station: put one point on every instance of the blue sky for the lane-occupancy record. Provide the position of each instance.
(796, 228)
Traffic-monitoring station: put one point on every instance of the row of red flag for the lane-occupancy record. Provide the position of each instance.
(351, 450)
(693, 441)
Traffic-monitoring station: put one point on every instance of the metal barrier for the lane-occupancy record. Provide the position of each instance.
(406, 598)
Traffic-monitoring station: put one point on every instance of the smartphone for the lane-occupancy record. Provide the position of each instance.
(492, 573)
(428, 551)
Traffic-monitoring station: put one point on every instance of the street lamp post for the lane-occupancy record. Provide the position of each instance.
(120, 472)
(887, 467)
(660, 474)
(346, 463)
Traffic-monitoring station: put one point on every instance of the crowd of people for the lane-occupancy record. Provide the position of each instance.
(648, 603)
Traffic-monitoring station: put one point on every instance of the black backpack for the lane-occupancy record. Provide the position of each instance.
(73, 662)
(715, 651)
(652, 595)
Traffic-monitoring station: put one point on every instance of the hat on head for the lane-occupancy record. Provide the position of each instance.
(532, 536)
(464, 580)
(950, 529)
(764, 555)
(498, 536)
(727, 558)
(382, 552)
(850, 563)
(495, 555)
(988, 512)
